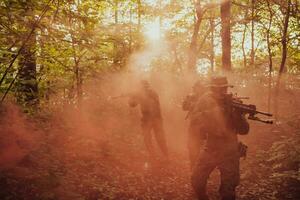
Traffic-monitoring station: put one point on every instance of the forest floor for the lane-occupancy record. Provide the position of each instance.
(76, 155)
(72, 167)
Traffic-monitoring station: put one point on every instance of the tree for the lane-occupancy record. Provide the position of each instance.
(285, 9)
(225, 35)
(252, 54)
(212, 43)
(192, 58)
(284, 38)
(244, 38)
(268, 29)
(27, 86)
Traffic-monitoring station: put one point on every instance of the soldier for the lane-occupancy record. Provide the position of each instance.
(151, 119)
(195, 139)
(221, 125)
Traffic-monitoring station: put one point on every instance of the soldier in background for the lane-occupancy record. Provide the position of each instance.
(151, 119)
(195, 139)
(221, 125)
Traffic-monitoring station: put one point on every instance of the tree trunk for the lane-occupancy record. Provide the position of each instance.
(270, 57)
(284, 54)
(212, 50)
(27, 86)
(116, 59)
(225, 35)
(268, 38)
(192, 57)
(139, 16)
(130, 31)
(78, 76)
(284, 39)
(252, 54)
(139, 11)
(160, 18)
(243, 46)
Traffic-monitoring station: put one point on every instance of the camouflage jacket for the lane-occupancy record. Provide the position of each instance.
(149, 103)
(220, 125)
(189, 101)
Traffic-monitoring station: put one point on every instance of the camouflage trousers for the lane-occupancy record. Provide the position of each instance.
(155, 125)
(229, 170)
(195, 142)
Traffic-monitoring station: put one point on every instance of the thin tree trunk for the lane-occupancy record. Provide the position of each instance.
(252, 54)
(269, 91)
(77, 73)
(212, 41)
(78, 83)
(130, 31)
(243, 46)
(269, 46)
(116, 17)
(270, 58)
(225, 35)
(160, 18)
(78, 80)
(192, 57)
(139, 15)
(139, 7)
(269, 52)
(284, 39)
(284, 55)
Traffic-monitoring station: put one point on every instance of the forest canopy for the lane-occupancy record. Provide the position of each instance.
(60, 44)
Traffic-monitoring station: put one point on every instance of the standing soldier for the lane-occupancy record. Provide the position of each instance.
(195, 139)
(221, 125)
(151, 119)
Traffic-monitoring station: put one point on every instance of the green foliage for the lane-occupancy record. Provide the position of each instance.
(76, 40)
(277, 175)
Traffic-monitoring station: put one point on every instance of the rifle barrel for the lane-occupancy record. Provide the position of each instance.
(265, 113)
(242, 97)
(251, 109)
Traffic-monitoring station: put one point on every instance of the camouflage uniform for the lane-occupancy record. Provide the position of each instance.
(151, 119)
(221, 127)
(195, 138)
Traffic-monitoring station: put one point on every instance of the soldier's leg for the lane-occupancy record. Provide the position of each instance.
(146, 128)
(201, 171)
(230, 177)
(160, 136)
(195, 142)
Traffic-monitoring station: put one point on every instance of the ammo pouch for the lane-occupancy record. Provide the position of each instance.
(242, 148)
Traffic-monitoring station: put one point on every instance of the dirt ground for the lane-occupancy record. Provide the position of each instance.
(97, 152)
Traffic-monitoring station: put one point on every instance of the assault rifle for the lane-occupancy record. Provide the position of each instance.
(228, 97)
(237, 104)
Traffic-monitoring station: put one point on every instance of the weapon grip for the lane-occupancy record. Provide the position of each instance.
(253, 107)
